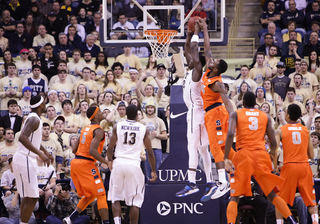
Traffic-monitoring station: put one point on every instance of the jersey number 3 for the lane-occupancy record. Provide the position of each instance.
(254, 123)
(132, 139)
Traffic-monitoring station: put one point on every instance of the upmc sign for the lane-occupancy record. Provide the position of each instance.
(161, 206)
(173, 175)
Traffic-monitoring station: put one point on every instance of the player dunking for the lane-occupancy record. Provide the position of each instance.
(84, 173)
(196, 133)
(296, 171)
(24, 162)
(127, 179)
(252, 158)
(216, 116)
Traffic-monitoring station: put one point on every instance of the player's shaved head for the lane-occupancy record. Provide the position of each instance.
(249, 99)
(131, 111)
(223, 66)
(294, 112)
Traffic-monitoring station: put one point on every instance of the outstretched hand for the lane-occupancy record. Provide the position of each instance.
(203, 25)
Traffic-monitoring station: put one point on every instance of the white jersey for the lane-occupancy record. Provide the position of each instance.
(192, 91)
(193, 100)
(35, 138)
(130, 140)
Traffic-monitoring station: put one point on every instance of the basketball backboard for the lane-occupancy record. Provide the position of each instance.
(220, 39)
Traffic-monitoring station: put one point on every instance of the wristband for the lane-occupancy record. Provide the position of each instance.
(195, 38)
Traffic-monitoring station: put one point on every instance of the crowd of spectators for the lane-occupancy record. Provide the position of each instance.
(52, 48)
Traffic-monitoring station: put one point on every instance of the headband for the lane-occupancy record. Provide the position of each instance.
(94, 114)
(52, 91)
(37, 104)
(133, 70)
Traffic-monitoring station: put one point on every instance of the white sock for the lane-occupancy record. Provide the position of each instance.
(117, 220)
(222, 176)
(208, 175)
(206, 158)
(315, 218)
(279, 221)
(192, 176)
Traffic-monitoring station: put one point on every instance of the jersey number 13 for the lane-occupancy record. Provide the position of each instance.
(129, 138)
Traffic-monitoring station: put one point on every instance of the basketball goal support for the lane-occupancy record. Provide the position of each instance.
(106, 42)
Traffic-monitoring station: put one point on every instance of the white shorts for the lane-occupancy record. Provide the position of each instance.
(126, 183)
(25, 171)
(197, 133)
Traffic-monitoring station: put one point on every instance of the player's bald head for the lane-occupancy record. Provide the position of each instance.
(249, 99)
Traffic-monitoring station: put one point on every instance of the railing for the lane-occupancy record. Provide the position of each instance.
(235, 23)
(237, 47)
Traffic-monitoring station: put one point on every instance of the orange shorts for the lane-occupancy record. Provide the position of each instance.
(256, 163)
(216, 121)
(297, 175)
(86, 178)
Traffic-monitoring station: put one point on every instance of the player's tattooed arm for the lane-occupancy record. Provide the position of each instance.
(98, 136)
(227, 102)
(233, 118)
(207, 48)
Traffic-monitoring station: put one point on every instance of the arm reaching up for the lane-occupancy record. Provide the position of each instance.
(197, 71)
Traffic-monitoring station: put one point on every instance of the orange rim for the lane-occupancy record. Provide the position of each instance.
(163, 36)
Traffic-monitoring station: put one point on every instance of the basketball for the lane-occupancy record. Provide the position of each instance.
(192, 22)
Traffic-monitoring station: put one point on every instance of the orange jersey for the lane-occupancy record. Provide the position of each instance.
(251, 128)
(208, 96)
(295, 140)
(85, 141)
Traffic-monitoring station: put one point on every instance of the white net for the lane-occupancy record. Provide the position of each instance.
(159, 41)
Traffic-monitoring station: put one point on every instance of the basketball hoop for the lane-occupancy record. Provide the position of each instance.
(159, 41)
